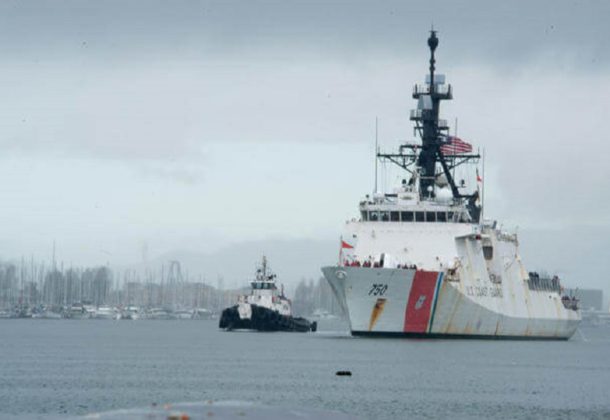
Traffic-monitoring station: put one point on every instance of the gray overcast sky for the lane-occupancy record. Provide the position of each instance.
(191, 125)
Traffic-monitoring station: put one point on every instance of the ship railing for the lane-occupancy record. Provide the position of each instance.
(422, 114)
(444, 90)
(440, 89)
(535, 282)
(417, 114)
(421, 90)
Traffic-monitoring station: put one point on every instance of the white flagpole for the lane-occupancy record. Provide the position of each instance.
(455, 134)
(376, 151)
(483, 186)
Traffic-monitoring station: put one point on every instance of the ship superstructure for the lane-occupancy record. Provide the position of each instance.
(421, 261)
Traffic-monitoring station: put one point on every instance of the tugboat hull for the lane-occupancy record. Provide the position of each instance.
(262, 319)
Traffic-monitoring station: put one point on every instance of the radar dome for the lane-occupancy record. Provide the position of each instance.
(441, 181)
(443, 195)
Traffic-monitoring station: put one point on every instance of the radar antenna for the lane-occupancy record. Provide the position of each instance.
(434, 132)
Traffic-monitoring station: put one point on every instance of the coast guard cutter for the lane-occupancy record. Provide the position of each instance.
(422, 262)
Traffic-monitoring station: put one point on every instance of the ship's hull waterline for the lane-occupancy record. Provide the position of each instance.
(263, 319)
(425, 304)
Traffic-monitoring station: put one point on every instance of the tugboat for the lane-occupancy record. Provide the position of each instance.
(421, 261)
(264, 309)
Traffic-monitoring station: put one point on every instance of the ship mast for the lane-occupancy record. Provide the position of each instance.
(429, 97)
(434, 132)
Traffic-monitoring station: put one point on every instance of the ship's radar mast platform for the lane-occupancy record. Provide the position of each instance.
(265, 279)
(427, 162)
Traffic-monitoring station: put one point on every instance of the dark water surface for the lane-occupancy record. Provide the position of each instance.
(77, 367)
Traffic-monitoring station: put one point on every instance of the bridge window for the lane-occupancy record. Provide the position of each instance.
(450, 216)
(419, 216)
(441, 216)
(374, 216)
(385, 216)
(430, 216)
(394, 216)
(406, 216)
(365, 216)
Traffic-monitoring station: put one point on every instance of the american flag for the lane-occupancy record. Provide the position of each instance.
(454, 145)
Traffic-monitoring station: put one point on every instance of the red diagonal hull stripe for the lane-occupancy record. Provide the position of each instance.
(419, 304)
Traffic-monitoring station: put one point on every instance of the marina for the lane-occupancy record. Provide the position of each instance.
(101, 293)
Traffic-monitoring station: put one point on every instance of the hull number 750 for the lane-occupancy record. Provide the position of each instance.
(378, 289)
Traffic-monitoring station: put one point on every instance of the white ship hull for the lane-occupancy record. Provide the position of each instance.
(382, 301)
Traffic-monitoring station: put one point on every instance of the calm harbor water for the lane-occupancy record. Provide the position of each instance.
(50, 367)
